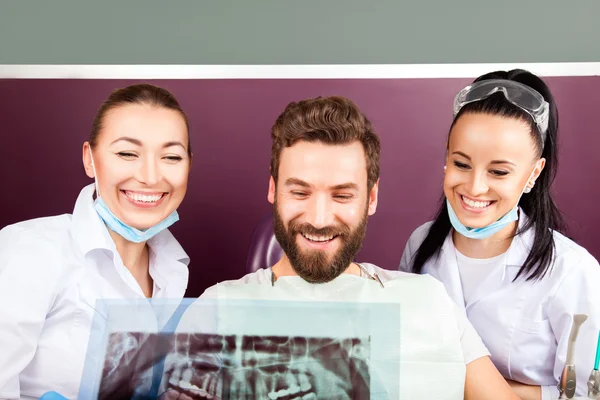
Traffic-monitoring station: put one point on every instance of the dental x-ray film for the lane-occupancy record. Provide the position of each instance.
(243, 349)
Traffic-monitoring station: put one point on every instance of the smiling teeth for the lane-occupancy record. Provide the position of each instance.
(144, 198)
(476, 204)
(317, 238)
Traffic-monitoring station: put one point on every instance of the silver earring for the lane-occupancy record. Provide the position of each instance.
(527, 190)
(445, 168)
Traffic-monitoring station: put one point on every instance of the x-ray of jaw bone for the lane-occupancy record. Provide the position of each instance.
(268, 367)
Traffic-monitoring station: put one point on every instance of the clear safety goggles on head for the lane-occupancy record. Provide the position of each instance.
(520, 95)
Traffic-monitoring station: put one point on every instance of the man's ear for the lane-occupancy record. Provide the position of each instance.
(271, 193)
(373, 198)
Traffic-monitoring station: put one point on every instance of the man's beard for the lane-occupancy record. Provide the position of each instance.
(317, 266)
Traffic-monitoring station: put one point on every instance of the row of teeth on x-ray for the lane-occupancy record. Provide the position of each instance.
(250, 385)
(242, 367)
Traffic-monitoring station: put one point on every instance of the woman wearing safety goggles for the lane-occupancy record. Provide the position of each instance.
(496, 242)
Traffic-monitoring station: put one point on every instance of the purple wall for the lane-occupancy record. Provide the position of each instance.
(43, 124)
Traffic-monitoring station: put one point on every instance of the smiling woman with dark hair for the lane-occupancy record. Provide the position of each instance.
(496, 243)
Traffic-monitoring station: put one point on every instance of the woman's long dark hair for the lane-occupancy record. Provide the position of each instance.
(539, 206)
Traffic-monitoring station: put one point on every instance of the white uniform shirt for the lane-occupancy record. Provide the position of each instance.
(472, 345)
(52, 271)
(473, 271)
(526, 324)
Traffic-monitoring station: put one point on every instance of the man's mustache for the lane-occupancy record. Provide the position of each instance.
(308, 229)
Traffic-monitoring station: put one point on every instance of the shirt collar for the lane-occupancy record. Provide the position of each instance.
(90, 233)
(521, 245)
(519, 248)
(164, 249)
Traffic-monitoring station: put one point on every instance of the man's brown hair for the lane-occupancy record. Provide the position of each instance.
(332, 120)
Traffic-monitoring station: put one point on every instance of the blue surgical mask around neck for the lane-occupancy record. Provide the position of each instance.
(486, 231)
(116, 225)
(489, 230)
(128, 232)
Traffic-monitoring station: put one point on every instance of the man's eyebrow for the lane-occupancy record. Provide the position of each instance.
(296, 181)
(348, 185)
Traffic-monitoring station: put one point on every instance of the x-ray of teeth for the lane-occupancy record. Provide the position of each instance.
(246, 349)
(232, 367)
(269, 367)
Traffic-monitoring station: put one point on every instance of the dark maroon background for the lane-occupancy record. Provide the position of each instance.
(43, 124)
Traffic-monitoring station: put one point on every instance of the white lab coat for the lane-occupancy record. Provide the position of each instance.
(526, 324)
(52, 271)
